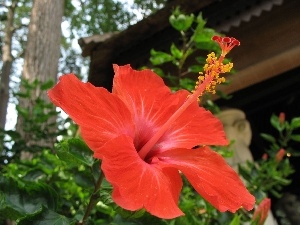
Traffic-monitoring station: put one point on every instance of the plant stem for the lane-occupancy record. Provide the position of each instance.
(93, 199)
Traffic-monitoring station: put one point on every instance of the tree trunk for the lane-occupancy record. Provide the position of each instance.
(44, 37)
(42, 50)
(7, 60)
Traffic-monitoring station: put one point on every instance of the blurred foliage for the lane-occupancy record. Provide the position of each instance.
(61, 183)
(104, 15)
(271, 173)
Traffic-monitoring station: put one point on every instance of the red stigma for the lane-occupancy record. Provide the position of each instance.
(226, 43)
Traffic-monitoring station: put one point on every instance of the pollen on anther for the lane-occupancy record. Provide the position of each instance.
(214, 67)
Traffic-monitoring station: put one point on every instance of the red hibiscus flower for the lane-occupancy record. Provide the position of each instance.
(145, 136)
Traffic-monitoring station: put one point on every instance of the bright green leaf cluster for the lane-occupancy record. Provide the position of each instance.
(180, 21)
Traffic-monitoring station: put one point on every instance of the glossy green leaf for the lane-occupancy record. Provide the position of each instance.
(47, 85)
(295, 123)
(130, 214)
(158, 57)
(46, 217)
(187, 83)
(295, 137)
(201, 60)
(276, 123)
(177, 53)
(180, 21)
(34, 175)
(24, 112)
(158, 71)
(203, 35)
(17, 202)
(6, 211)
(75, 152)
(200, 21)
(106, 198)
(268, 137)
(195, 68)
(13, 134)
(22, 94)
(84, 179)
(244, 172)
(236, 220)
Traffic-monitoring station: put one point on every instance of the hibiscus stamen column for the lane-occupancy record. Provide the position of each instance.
(206, 83)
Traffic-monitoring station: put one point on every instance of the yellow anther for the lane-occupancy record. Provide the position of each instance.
(213, 68)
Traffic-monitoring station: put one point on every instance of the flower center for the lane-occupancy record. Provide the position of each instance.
(207, 83)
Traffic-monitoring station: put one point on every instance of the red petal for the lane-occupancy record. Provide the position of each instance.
(100, 115)
(138, 184)
(211, 177)
(129, 82)
(196, 126)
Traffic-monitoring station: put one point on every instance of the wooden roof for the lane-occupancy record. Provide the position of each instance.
(270, 46)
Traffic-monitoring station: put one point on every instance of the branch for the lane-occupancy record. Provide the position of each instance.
(93, 199)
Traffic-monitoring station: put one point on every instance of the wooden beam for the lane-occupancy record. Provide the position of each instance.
(263, 70)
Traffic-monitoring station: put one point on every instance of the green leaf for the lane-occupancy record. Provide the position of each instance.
(16, 202)
(276, 122)
(47, 85)
(46, 217)
(201, 60)
(244, 172)
(130, 214)
(22, 94)
(22, 111)
(6, 211)
(282, 180)
(195, 68)
(75, 152)
(177, 53)
(276, 193)
(158, 71)
(106, 198)
(34, 175)
(295, 137)
(158, 57)
(203, 35)
(295, 123)
(236, 220)
(13, 134)
(268, 137)
(200, 21)
(187, 83)
(180, 21)
(84, 179)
